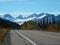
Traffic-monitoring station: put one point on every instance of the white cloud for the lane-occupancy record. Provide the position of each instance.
(25, 14)
(55, 13)
(16, 14)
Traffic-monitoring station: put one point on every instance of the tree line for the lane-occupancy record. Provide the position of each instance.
(43, 24)
(8, 24)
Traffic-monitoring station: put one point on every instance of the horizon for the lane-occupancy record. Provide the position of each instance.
(26, 14)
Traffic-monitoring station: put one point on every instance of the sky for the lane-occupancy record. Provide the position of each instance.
(28, 7)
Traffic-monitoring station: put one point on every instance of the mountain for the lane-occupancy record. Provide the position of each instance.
(57, 18)
(20, 17)
(8, 17)
(50, 17)
(8, 24)
(37, 18)
(41, 14)
(33, 15)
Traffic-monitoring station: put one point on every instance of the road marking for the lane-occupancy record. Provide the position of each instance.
(25, 37)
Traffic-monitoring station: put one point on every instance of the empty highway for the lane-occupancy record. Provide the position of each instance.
(32, 37)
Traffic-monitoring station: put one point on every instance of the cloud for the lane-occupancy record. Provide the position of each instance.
(25, 14)
(15, 14)
(55, 13)
(22, 13)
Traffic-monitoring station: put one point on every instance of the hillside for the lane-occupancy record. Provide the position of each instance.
(43, 25)
(8, 24)
(5, 26)
(35, 17)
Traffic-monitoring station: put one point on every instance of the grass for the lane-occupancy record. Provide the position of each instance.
(3, 32)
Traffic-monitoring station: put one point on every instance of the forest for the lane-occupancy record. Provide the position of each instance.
(42, 25)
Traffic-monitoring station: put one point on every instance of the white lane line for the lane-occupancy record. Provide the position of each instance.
(25, 37)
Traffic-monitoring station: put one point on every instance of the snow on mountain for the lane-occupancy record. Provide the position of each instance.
(57, 17)
(23, 20)
(31, 18)
(36, 17)
(41, 14)
(33, 15)
(20, 17)
(20, 20)
(40, 17)
(8, 17)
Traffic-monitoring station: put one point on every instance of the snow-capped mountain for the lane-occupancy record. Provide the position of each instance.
(57, 17)
(8, 17)
(41, 14)
(20, 17)
(50, 17)
(20, 21)
(35, 17)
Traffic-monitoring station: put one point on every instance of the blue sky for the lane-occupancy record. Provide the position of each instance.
(27, 7)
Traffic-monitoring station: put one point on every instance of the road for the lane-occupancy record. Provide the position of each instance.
(42, 38)
(14, 39)
(37, 37)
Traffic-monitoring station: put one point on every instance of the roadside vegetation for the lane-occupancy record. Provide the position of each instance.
(43, 25)
(5, 26)
(3, 32)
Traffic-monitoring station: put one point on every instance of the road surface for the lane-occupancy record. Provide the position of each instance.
(42, 38)
(14, 39)
(37, 37)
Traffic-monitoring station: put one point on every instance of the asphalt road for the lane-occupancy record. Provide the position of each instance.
(42, 38)
(14, 39)
(37, 37)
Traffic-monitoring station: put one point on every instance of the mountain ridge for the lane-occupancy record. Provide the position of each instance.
(34, 17)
